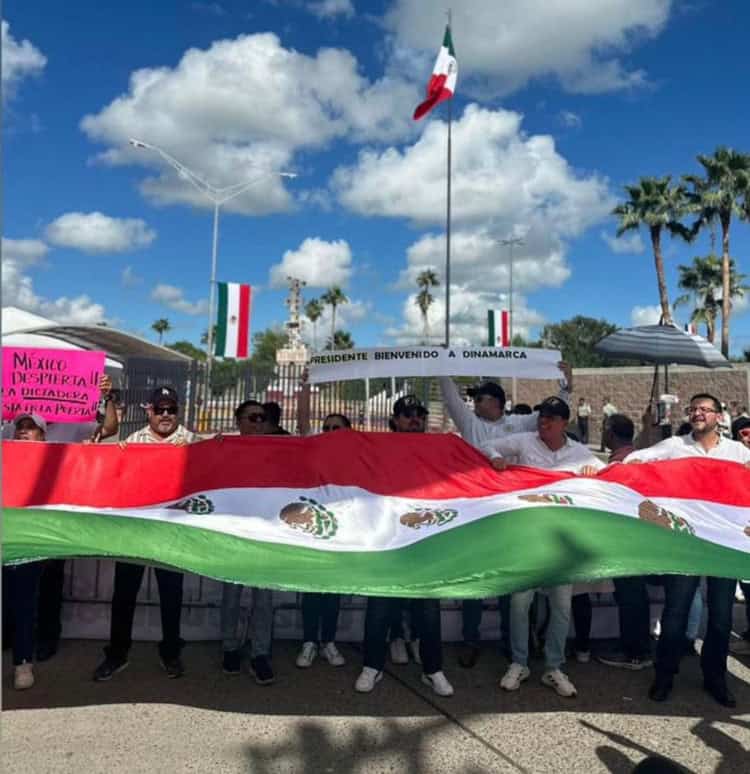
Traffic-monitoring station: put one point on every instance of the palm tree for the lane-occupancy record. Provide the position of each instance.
(341, 340)
(313, 311)
(655, 203)
(722, 193)
(161, 326)
(425, 280)
(334, 297)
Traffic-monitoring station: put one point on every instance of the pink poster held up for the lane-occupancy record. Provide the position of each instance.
(59, 385)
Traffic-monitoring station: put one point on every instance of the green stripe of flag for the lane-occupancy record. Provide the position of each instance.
(491, 328)
(221, 321)
(543, 546)
(448, 41)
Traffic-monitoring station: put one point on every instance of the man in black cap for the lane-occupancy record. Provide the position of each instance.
(163, 427)
(409, 416)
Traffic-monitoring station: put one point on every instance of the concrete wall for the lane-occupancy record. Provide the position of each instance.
(630, 388)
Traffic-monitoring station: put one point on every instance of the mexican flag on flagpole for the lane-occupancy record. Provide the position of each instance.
(233, 320)
(372, 513)
(498, 328)
(442, 84)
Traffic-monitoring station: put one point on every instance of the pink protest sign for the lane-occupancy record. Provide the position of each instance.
(60, 385)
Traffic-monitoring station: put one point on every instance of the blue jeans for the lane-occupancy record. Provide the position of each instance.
(557, 631)
(22, 581)
(261, 620)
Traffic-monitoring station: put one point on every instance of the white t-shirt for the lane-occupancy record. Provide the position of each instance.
(529, 449)
(681, 446)
(474, 429)
(584, 410)
(608, 409)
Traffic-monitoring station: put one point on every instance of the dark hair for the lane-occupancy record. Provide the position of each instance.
(684, 429)
(537, 407)
(345, 419)
(522, 408)
(708, 396)
(244, 405)
(273, 412)
(621, 427)
(739, 424)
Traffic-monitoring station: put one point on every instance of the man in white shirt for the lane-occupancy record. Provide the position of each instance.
(550, 449)
(704, 441)
(486, 420)
(608, 409)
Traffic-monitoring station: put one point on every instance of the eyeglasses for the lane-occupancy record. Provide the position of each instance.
(701, 410)
(257, 418)
(172, 410)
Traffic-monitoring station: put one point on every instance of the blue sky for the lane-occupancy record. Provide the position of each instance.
(555, 110)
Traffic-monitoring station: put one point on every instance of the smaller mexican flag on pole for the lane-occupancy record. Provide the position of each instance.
(442, 84)
(498, 327)
(233, 320)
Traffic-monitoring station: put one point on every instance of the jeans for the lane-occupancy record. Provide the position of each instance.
(261, 620)
(128, 579)
(695, 616)
(320, 610)
(679, 591)
(425, 615)
(23, 581)
(471, 614)
(583, 429)
(557, 630)
(745, 585)
(582, 615)
(635, 616)
(49, 611)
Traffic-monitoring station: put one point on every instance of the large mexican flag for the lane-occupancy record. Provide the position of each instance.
(371, 513)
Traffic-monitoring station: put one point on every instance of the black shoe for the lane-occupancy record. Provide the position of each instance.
(690, 648)
(260, 669)
(718, 689)
(232, 662)
(660, 690)
(621, 660)
(46, 649)
(109, 668)
(469, 655)
(172, 666)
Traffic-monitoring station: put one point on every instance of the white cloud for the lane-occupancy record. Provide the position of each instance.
(645, 315)
(174, 298)
(326, 9)
(18, 287)
(94, 232)
(577, 42)
(247, 103)
(627, 244)
(570, 119)
(319, 263)
(129, 279)
(19, 60)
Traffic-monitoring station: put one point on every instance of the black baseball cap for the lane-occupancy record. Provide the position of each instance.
(554, 407)
(409, 404)
(164, 395)
(492, 389)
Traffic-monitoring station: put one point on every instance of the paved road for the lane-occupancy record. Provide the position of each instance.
(312, 722)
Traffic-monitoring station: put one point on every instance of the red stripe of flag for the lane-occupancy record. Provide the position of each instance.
(505, 325)
(243, 334)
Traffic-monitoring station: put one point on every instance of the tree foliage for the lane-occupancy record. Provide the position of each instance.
(575, 338)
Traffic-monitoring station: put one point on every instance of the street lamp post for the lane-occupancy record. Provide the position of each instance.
(510, 243)
(218, 196)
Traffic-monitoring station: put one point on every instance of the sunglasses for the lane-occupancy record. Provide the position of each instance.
(171, 410)
(257, 418)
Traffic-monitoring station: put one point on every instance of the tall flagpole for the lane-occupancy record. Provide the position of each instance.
(448, 221)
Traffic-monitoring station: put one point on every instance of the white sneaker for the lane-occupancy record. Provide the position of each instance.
(367, 680)
(307, 655)
(583, 656)
(23, 676)
(413, 648)
(513, 678)
(439, 683)
(555, 678)
(398, 652)
(332, 655)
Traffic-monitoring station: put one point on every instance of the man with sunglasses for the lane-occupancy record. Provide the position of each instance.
(485, 422)
(704, 441)
(409, 416)
(252, 419)
(163, 427)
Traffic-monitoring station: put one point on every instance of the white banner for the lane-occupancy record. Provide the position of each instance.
(346, 364)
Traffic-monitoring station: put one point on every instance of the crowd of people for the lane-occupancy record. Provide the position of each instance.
(411, 629)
